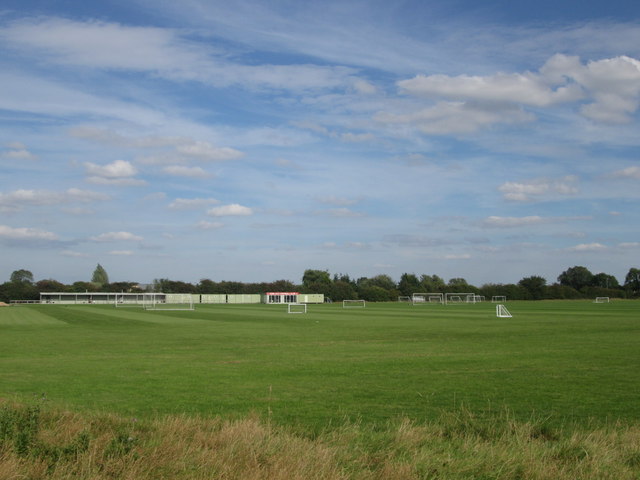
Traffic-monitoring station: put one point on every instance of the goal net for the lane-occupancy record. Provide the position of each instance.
(502, 312)
(424, 298)
(601, 300)
(353, 304)
(296, 308)
(459, 298)
(175, 302)
(498, 299)
(124, 300)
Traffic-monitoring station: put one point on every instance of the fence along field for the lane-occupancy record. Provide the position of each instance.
(567, 361)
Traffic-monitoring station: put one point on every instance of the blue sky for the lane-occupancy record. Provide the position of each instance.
(252, 140)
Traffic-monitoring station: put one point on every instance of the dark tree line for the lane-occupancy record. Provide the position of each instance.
(574, 283)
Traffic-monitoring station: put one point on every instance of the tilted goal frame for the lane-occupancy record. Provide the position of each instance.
(502, 312)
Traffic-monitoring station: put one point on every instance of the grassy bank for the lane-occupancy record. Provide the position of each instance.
(38, 442)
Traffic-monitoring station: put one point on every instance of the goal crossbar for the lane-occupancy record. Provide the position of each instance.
(424, 298)
(296, 308)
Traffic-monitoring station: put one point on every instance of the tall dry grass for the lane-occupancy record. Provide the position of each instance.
(42, 443)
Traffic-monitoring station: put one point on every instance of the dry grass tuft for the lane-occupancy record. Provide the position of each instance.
(37, 443)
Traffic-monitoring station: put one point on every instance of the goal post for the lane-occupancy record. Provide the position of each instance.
(601, 300)
(296, 308)
(455, 298)
(353, 304)
(502, 312)
(123, 300)
(498, 299)
(425, 298)
(181, 302)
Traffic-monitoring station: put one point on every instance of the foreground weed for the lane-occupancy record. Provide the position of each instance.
(46, 444)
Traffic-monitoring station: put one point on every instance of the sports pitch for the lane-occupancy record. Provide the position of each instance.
(564, 360)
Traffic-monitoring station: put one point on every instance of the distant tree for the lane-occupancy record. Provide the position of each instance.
(128, 287)
(18, 291)
(341, 290)
(315, 277)
(207, 286)
(460, 285)
(432, 283)
(576, 277)
(50, 285)
(562, 292)
(83, 287)
(21, 276)
(373, 293)
(383, 281)
(100, 276)
(409, 284)
(535, 287)
(604, 280)
(632, 280)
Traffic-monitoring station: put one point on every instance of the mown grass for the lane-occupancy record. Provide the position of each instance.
(568, 361)
(38, 442)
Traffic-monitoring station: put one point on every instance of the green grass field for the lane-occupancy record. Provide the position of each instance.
(572, 361)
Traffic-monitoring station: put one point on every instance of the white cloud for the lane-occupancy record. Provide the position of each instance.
(116, 237)
(73, 254)
(341, 212)
(507, 222)
(587, 247)
(192, 203)
(26, 233)
(615, 86)
(121, 253)
(356, 137)
(160, 51)
(184, 171)
(17, 151)
(206, 151)
(538, 189)
(466, 103)
(204, 225)
(526, 89)
(456, 117)
(338, 201)
(119, 172)
(117, 169)
(230, 210)
(18, 199)
(629, 172)
(28, 237)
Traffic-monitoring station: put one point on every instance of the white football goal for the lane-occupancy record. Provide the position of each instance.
(129, 300)
(177, 302)
(296, 308)
(498, 298)
(353, 304)
(502, 312)
(424, 298)
(459, 298)
(601, 300)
